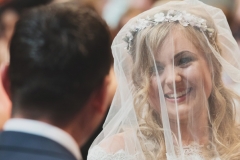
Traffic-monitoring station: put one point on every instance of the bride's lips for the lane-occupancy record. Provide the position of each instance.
(180, 95)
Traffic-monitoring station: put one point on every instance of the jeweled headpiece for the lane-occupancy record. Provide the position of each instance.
(184, 18)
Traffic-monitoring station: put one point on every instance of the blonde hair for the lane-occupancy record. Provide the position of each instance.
(225, 131)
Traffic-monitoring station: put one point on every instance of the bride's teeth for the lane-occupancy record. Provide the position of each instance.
(178, 94)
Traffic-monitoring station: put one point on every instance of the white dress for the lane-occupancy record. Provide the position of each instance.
(97, 153)
(191, 152)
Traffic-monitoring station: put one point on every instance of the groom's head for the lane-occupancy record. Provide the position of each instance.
(60, 57)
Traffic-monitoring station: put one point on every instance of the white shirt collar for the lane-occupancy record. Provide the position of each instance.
(44, 130)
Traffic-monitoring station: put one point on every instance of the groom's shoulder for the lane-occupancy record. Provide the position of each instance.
(22, 146)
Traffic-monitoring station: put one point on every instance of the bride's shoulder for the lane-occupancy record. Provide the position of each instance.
(112, 148)
(114, 143)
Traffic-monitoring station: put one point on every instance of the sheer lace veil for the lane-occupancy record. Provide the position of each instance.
(171, 102)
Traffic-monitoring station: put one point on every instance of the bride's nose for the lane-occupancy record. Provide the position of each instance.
(172, 76)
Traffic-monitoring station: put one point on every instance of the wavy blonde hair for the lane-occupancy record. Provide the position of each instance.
(222, 124)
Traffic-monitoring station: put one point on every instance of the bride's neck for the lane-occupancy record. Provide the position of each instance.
(192, 130)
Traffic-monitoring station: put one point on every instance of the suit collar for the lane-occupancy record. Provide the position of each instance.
(44, 130)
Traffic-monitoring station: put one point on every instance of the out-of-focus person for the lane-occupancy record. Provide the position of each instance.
(8, 20)
(235, 26)
(9, 13)
(58, 82)
(97, 5)
(114, 11)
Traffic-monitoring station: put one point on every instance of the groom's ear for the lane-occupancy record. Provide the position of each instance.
(100, 97)
(5, 78)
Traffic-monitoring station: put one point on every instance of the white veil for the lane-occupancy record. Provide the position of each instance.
(171, 102)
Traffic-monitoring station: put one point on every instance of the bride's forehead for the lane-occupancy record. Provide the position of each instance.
(175, 42)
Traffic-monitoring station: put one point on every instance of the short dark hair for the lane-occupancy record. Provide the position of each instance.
(59, 55)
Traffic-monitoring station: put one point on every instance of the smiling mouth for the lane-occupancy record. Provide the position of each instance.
(178, 94)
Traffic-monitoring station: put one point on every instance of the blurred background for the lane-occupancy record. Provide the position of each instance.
(116, 13)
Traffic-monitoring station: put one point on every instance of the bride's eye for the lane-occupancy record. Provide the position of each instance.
(184, 61)
(158, 69)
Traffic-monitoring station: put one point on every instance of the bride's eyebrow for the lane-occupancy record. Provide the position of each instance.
(182, 53)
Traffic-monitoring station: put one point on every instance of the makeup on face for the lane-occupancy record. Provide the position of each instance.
(182, 73)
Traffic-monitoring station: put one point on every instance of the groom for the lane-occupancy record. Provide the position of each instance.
(57, 81)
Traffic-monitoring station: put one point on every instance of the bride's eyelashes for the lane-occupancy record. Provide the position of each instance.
(184, 59)
(156, 70)
(184, 62)
(160, 69)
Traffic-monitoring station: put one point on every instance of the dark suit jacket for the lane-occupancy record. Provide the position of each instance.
(23, 146)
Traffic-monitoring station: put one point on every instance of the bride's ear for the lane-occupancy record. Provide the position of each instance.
(5, 78)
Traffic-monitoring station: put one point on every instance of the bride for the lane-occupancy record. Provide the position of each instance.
(171, 102)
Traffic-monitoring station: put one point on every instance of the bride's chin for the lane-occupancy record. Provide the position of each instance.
(173, 114)
(181, 112)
